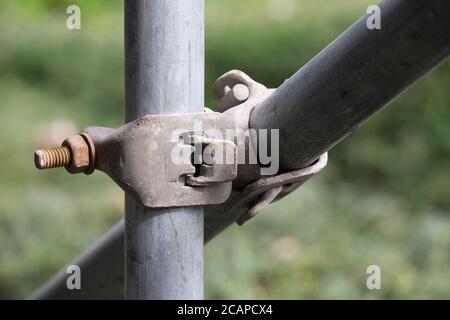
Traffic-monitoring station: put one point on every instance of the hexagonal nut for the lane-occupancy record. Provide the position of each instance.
(79, 151)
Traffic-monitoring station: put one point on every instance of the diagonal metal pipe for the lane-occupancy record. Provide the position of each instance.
(354, 77)
(326, 100)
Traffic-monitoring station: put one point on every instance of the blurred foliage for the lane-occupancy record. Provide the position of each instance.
(383, 199)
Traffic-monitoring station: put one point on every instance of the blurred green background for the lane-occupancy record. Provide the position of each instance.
(384, 198)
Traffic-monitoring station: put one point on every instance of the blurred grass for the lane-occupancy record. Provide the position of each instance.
(383, 199)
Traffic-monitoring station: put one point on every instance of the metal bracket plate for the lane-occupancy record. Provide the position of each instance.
(259, 194)
(139, 157)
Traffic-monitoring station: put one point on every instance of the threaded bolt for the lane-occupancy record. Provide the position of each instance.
(52, 157)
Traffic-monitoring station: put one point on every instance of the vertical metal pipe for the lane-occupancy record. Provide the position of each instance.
(164, 73)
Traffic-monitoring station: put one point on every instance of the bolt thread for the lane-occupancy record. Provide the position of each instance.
(52, 157)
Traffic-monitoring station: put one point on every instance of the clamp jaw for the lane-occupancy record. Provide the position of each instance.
(253, 191)
(165, 161)
(170, 160)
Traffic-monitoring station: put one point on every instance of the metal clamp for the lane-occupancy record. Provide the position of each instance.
(160, 159)
(259, 194)
(170, 160)
(255, 192)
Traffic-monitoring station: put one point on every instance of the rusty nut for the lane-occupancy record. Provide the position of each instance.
(79, 150)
